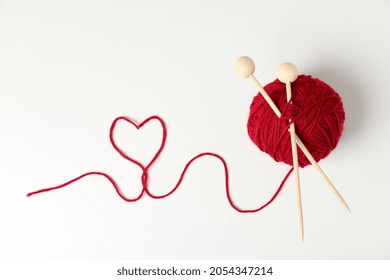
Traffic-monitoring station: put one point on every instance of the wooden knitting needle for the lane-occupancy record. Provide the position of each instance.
(245, 67)
(288, 73)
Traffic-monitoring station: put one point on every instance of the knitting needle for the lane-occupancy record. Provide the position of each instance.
(288, 73)
(245, 67)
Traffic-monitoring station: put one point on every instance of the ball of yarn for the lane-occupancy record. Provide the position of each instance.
(316, 109)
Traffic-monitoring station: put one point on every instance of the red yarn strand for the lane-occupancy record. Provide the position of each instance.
(145, 169)
(108, 177)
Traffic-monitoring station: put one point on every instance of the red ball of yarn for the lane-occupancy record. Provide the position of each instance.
(316, 109)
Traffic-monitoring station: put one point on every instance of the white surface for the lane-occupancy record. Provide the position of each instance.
(68, 68)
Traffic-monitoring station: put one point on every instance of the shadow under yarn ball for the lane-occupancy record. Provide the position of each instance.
(316, 109)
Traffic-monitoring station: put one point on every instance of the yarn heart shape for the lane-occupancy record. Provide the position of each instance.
(138, 127)
(144, 176)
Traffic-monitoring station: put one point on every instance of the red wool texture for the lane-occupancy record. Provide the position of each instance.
(316, 110)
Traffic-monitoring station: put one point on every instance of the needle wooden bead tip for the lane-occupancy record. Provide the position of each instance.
(287, 72)
(244, 66)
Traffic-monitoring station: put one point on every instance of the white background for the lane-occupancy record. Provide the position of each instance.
(68, 68)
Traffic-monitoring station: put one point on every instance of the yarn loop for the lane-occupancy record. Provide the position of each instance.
(145, 170)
